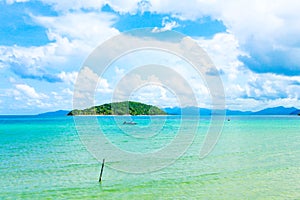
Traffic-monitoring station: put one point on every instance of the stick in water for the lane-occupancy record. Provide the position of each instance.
(101, 170)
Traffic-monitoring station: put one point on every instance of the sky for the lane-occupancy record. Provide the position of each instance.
(255, 46)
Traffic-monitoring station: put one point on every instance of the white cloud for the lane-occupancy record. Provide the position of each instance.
(119, 71)
(244, 87)
(155, 95)
(86, 28)
(191, 10)
(68, 77)
(274, 25)
(256, 27)
(56, 96)
(267, 30)
(25, 99)
(103, 86)
(15, 1)
(260, 18)
(128, 6)
(73, 36)
(87, 80)
(224, 51)
(28, 91)
(67, 91)
(260, 91)
(29, 98)
(149, 84)
(85, 88)
(65, 6)
(33, 62)
(26, 55)
(167, 25)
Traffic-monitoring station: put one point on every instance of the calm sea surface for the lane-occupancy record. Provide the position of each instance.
(256, 157)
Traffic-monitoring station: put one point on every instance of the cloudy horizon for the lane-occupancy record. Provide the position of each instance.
(44, 43)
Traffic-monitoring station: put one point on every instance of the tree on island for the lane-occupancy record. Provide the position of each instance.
(120, 108)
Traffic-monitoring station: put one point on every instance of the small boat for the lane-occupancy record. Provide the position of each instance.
(130, 123)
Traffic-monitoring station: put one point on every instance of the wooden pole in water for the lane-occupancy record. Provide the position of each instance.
(101, 170)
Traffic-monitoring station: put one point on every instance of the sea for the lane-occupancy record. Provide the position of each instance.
(254, 157)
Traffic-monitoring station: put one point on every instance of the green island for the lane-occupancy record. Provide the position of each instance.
(120, 108)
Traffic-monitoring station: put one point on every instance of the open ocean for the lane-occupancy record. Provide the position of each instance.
(256, 157)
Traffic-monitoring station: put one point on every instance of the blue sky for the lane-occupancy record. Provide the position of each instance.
(44, 43)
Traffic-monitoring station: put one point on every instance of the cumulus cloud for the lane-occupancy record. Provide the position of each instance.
(89, 84)
(268, 31)
(87, 28)
(259, 91)
(24, 98)
(155, 95)
(242, 85)
(33, 72)
(32, 62)
(29, 92)
(15, 1)
(130, 6)
(151, 83)
(68, 77)
(103, 86)
(265, 30)
(257, 57)
(64, 6)
(167, 25)
(67, 91)
(224, 50)
(119, 71)
(73, 36)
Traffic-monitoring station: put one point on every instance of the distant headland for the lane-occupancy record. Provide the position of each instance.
(120, 108)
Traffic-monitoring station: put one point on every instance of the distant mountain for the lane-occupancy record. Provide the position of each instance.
(54, 113)
(187, 111)
(203, 111)
(277, 111)
(173, 111)
(120, 108)
(297, 112)
(238, 112)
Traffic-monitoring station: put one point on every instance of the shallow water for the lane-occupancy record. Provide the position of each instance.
(256, 157)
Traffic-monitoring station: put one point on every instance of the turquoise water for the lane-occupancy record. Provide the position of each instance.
(256, 157)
